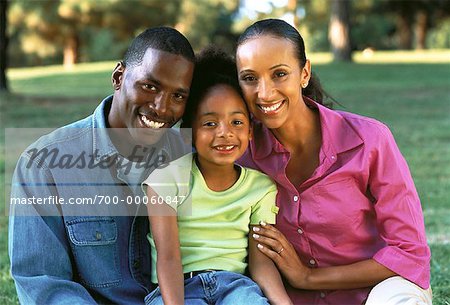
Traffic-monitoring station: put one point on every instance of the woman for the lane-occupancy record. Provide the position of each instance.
(350, 217)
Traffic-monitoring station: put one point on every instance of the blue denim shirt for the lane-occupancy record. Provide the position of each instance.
(80, 256)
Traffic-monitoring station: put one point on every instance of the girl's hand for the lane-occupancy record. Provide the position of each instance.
(274, 245)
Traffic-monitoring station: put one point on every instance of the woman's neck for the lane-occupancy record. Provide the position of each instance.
(304, 123)
(218, 177)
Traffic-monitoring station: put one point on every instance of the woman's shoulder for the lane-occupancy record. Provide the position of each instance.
(366, 126)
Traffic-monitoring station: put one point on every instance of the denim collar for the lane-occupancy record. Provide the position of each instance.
(102, 147)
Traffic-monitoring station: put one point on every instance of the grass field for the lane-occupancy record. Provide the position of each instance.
(407, 91)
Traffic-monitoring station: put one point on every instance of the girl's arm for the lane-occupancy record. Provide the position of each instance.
(365, 273)
(264, 272)
(163, 223)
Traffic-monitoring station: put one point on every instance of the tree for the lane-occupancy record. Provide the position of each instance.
(3, 45)
(339, 30)
(208, 21)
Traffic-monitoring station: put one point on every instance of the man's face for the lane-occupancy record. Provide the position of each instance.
(151, 96)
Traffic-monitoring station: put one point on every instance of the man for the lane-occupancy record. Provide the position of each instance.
(86, 253)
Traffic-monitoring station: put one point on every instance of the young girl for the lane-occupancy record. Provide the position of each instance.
(202, 248)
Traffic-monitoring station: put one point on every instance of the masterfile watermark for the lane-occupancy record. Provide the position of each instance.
(80, 172)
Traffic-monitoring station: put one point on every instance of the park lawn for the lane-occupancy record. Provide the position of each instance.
(412, 98)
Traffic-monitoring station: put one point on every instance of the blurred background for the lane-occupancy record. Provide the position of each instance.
(69, 31)
(387, 59)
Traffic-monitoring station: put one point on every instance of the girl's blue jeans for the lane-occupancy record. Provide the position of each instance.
(216, 287)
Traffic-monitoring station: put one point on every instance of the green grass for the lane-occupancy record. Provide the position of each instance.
(407, 91)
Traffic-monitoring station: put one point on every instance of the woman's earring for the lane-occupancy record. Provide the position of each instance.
(304, 85)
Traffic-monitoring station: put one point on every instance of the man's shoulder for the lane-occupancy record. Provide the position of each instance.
(73, 134)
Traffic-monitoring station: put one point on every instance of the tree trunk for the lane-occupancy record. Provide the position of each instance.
(404, 32)
(421, 29)
(292, 8)
(339, 30)
(71, 47)
(3, 45)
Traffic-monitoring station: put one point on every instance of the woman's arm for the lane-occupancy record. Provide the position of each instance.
(365, 273)
(164, 228)
(265, 274)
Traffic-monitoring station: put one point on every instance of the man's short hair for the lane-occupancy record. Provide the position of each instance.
(159, 38)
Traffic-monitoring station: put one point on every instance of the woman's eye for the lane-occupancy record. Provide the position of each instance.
(280, 74)
(238, 122)
(248, 78)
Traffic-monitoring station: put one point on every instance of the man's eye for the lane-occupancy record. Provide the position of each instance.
(150, 87)
(179, 97)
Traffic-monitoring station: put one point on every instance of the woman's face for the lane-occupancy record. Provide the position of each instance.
(270, 76)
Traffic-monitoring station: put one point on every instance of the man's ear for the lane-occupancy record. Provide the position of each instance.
(117, 75)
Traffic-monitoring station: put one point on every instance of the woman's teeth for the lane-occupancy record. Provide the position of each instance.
(270, 108)
(151, 124)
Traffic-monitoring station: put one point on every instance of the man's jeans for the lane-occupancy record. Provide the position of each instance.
(216, 287)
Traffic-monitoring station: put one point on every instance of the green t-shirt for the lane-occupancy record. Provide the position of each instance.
(213, 226)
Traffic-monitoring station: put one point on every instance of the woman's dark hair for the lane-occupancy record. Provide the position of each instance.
(281, 29)
(213, 67)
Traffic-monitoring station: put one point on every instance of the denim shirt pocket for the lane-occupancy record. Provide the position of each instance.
(94, 244)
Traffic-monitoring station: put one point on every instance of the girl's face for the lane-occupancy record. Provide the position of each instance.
(221, 128)
(270, 76)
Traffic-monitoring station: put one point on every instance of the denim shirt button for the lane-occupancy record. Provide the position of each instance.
(136, 264)
(98, 235)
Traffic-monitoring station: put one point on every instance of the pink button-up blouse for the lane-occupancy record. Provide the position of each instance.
(360, 203)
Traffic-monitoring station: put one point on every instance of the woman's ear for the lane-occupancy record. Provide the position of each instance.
(250, 132)
(306, 74)
(117, 75)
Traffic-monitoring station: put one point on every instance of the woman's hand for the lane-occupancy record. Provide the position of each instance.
(274, 245)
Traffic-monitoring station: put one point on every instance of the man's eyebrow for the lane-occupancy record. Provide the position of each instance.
(149, 77)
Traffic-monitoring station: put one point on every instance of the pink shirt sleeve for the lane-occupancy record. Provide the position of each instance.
(398, 212)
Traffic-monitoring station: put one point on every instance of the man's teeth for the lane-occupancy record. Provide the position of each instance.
(225, 147)
(151, 124)
(271, 108)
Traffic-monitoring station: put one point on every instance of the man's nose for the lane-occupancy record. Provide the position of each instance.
(161, 103)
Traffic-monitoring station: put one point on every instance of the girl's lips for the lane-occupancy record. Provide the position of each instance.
(225, 148)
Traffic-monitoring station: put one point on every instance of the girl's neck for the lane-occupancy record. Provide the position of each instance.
(218, 178)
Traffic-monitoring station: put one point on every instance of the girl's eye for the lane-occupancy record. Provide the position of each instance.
(209, 124)
(238, 122)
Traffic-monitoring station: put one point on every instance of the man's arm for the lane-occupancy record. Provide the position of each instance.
(264, 272)
(40, 255)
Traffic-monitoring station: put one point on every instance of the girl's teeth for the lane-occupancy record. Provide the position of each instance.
(224, 147)
(151, 124)
(271, 108)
